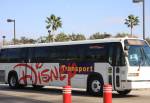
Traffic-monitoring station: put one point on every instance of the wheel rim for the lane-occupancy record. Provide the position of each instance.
(96, 86)
(13, 81)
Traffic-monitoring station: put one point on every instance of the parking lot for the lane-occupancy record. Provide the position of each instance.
(53, 95)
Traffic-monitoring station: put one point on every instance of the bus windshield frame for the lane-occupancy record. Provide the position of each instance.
(138, 52)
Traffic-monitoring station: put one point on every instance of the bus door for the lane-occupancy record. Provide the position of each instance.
(118, 65)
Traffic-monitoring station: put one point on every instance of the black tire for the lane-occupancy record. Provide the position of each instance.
(22, 86)
(13, 81)
(125, 92)
(95, 86)
(37, 86)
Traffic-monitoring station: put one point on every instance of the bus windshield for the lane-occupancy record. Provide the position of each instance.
(139, 55)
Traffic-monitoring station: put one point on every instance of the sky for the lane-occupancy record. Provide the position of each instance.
(78, 16)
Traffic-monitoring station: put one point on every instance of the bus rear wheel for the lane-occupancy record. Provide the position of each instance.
(13, 81)
(125, 92)
(95, 86)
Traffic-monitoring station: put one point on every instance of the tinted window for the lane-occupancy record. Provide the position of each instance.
(13, 55)
(96, 52)
(75, 52)
(41, 53)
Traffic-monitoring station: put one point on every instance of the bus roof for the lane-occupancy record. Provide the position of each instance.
(105, 40)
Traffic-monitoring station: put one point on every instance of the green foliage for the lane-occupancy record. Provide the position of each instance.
(61, 37)
(76, 37)
(122, 34)
(41, 39)
(49, 38)
(24, 40)
(99, 36)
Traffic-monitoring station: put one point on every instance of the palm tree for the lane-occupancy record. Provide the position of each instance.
(132, 21)
(53, 23)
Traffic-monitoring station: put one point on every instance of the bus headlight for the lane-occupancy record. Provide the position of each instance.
(133, 74)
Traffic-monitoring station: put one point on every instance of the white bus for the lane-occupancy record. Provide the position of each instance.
(122, 62)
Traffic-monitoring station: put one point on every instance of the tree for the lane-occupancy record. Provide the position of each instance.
(49, 38)
(41, 39)
(76, 37)
(99, 36)
(24, 40)
(61, 37)
(122, 35)
(53, 23)
(132, 21)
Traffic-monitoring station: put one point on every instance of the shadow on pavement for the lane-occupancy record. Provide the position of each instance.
(58, 92)
(124, 96)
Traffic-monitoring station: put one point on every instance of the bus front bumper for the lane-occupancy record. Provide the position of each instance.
(135, 84)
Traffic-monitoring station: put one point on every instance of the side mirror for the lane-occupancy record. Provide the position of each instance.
(126, 53)
(126, 47)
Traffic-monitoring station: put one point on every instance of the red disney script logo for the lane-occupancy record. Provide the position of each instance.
(44, 75)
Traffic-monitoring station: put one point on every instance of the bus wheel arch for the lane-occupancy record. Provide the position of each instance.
(95, 84)
(13, 79)
(124, 92)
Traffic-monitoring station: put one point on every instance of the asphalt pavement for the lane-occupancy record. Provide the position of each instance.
(54, 95)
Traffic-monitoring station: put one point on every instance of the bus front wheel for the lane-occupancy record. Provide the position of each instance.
(95, 86)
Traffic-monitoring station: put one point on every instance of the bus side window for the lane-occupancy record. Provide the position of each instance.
(23, 55)
(3, 56)
(97, 52)
(74, 53)
(41, 54)
(62, 51)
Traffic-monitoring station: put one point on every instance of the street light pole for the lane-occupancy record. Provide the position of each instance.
(144, 19)
(143, 1)
(11, 20)
(3, 39)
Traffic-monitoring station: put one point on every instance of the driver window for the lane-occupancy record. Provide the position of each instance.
(120, 58)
